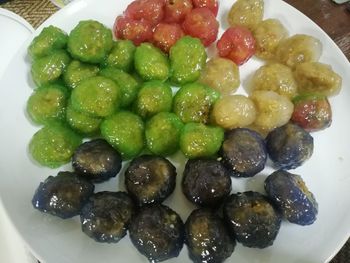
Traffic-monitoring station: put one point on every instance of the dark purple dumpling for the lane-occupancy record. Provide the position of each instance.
(63, 195)
(157, 232)
(207, 237)
(106, 216)
(292, 197)
(206, 182)
(243, 152)
(150, 179)
(96, 160)
(289, 146)
(252, 218)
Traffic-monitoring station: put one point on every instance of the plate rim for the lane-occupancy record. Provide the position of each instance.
(13, 16)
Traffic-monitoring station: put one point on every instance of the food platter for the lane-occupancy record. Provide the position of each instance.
(55, 240)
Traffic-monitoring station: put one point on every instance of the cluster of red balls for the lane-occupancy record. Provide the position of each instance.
(163, 22)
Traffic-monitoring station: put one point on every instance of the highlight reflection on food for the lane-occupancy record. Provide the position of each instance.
(207, 237)
(289, 146)
(62, 195)
(96, 160)
(157, 232)
(106, 216)
(292, 197)
(252, 218)
(206, 182)
(243, 152)
(150, 179)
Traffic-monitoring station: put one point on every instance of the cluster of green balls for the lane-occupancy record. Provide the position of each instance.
(88, 85)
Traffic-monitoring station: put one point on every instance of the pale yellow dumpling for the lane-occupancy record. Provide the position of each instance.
(233, 112)
(268, 34)
(298, 49)
(222, 75)
(273, 110)
(246, 13)
(317, 77)
(275, 77)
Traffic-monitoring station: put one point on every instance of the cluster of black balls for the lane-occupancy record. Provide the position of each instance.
(211, 231)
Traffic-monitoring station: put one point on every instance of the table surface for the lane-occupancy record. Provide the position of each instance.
(332, 18)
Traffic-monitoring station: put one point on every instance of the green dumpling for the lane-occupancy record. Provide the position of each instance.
(151, 63)
(198, 140)
(96, 97)
(121, 56)
(193, 102)
(50, 39)
(54, 144)
(187, 59)
(154, 96)
(90, 41)
(82, 123)
(125, 132)
(48, 103)
(78, 71)
(49, 69)
(163, 133)
(129, 85)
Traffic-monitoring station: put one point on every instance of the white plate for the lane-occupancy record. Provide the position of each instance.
(60, 241)
(15, 30)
